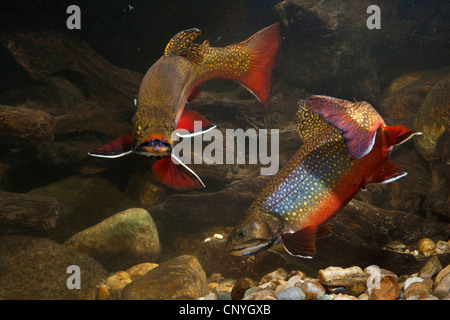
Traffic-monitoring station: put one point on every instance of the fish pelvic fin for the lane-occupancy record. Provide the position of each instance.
(114, 149)
(301, 243)
(358, 122)
(262, 50)
(182, 44)
(172, 172)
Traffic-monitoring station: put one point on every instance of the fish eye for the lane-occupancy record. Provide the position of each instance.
(240, 234)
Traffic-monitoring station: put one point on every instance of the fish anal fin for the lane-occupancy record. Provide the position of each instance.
(358, 122)
(301, 243)
(114, 149)
(389, 172)
(182, 44)
(263, 49)
(176, 176)
(323, 231)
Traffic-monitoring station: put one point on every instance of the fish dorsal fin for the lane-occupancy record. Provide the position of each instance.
(311, 127)
(182, 44)
(358, 122)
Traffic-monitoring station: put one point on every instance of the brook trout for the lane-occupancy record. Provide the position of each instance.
(346, 145)
(174, 79)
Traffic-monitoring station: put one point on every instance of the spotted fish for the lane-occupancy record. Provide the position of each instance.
(346, 145)
(175, 78)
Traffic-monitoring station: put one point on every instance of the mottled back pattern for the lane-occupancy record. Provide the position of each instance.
(308, 178)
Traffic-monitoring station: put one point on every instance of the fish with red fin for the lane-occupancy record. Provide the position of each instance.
(346, 145)
(174, 79)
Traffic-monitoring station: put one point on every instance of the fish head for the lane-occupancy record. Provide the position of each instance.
(152, 131)
(258, 231)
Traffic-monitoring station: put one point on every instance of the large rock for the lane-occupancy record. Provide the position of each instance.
(84, 201)
(121, 241)
(433, 118)
(181, 278)
(406, 93)
(88, 99)
(215, 259)
(334, 53)
(36, 268)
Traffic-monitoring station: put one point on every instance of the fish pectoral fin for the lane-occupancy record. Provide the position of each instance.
(182, 44)
(172, 172)
(301, 243)
(389, 172)
(358, 122)
(194, 123)
(114, 149)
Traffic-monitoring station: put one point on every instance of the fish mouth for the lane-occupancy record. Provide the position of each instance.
(251, 247)
(154, 147)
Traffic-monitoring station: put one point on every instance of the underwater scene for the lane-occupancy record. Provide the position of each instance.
(225, 150)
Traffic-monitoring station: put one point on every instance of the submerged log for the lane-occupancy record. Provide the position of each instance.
(25, 126)
(21, 213)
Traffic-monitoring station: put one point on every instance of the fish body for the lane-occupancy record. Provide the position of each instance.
(175, 78)
(345, 146)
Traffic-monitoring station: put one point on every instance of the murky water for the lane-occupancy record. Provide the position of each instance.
(69, 81)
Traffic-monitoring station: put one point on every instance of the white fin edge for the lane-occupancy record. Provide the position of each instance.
(412, 135)
(401, 175)
(178, 161)
(190, 135)
(296, 255)
(110, 157)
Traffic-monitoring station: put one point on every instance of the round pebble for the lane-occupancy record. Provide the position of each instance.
(410, 281)
(442, 247)
(118, 280)
(426, 247)
(432, 267)
(240, 287)
(292, 293)
(293, 280)
(103, 293)
(279, 274)
(139, 270)
(313, 290)
(395, 246)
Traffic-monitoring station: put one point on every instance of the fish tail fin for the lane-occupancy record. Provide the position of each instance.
(114, 149)
(263, 49)
(176, 175)
(398, 134)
